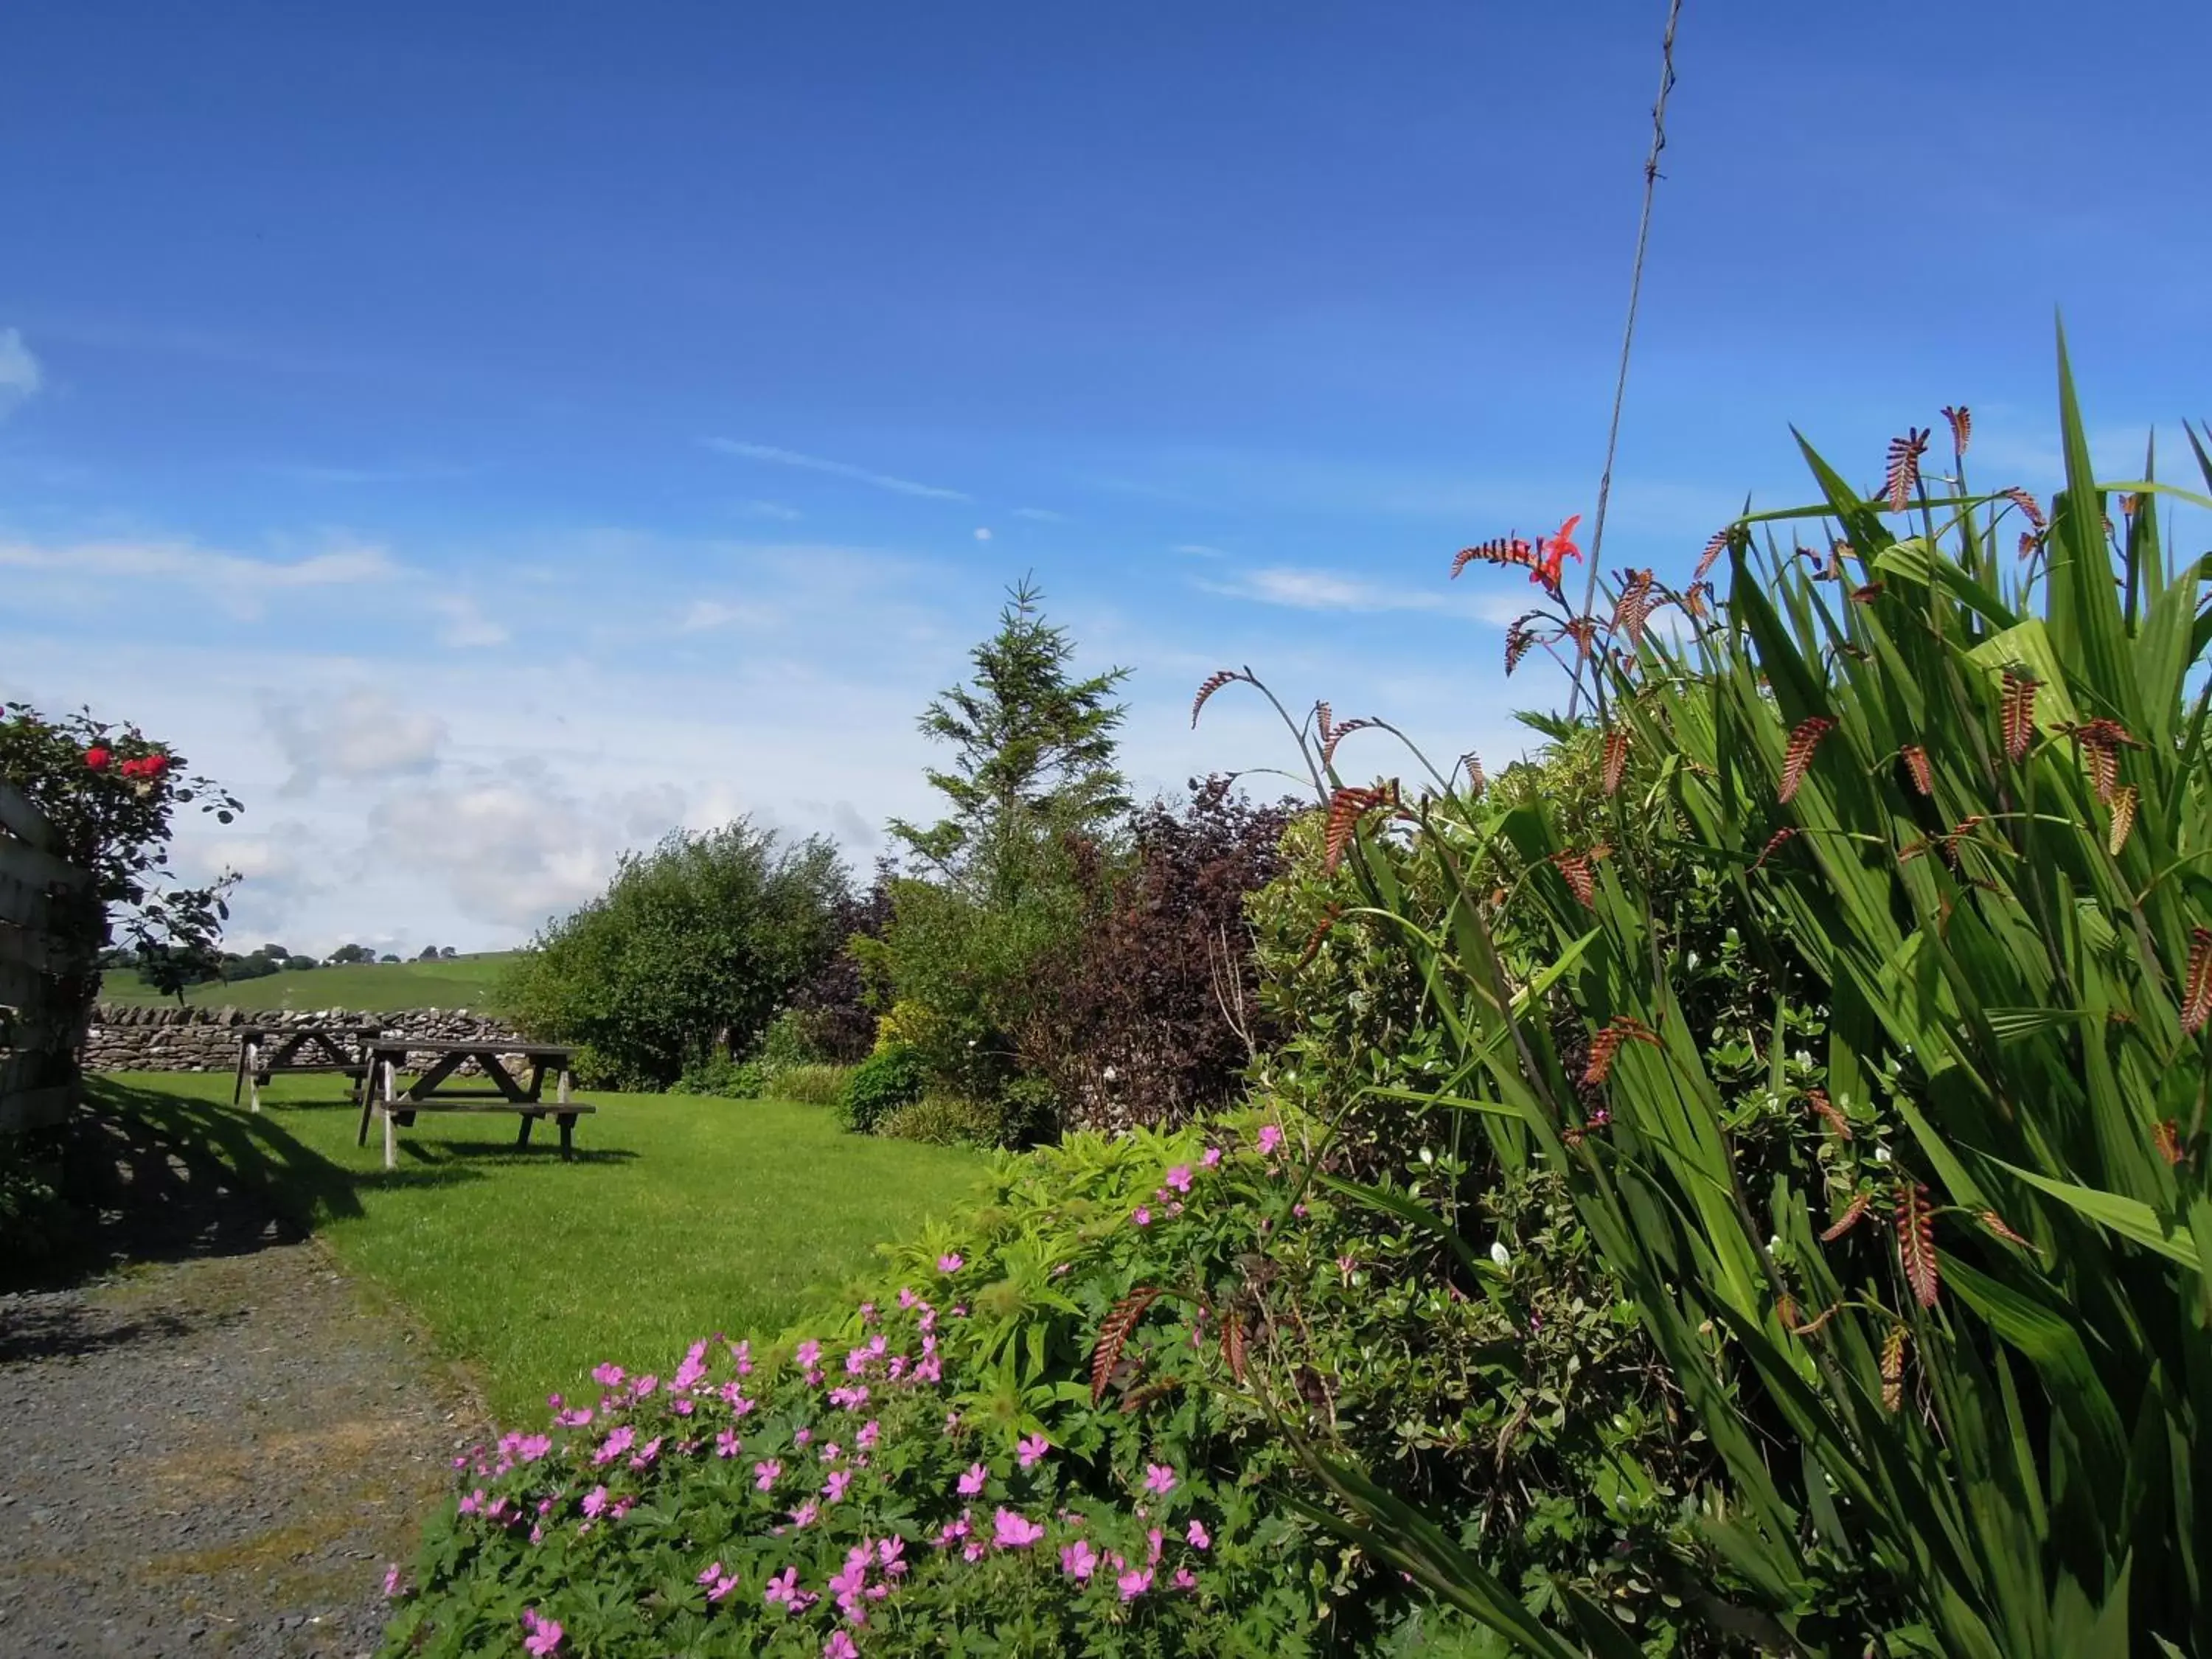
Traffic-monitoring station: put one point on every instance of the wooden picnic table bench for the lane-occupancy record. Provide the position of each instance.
(265, 1050)
(434, 1090)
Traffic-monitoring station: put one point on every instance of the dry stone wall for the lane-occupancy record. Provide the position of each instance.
(125, 1038)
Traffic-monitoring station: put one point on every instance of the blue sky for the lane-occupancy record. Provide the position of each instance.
(488, 435)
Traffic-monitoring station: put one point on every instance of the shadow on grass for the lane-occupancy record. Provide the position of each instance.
(151, 1176)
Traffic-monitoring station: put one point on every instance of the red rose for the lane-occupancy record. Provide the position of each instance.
(154, 765)
(96, 758)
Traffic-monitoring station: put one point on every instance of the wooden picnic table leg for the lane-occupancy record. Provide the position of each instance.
(237, 1081)
(391, 1135)
(567, 1143)
(523, 1139)
(254, 1073)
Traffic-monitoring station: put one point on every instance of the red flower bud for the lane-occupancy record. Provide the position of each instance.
(154, 765)
(96, 757)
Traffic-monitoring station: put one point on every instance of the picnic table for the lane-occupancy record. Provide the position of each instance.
(435, 1089)
(266, 1050)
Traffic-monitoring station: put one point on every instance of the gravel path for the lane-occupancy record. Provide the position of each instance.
(215, 1451)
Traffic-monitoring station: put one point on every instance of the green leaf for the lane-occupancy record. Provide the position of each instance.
(2130, 1217)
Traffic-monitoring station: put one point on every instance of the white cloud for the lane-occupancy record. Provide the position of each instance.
(701, 615)
(1041, 514)
(21, 376)
(776, 510)
(466, 624)
(512, 845)
(775, 457)
(355, 735)
(982, 534)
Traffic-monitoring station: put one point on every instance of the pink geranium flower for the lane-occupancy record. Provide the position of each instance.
(608, 1376)
(1011, 1531)
(1143, 1216)
(1270, 1138)
(615, 1444)
(1179, 1177)
(808, 1353)
(1135, 1583)
(1212, 1156)
(1031, 1450)
(1079, 1560)
(973, 1481)
(765, 1472)
(834, 1488)
(1159, 1478)
(1198, 1537)
(727, 1444)
(784, 1589)
(869, 1432)
(950, 1263)
(395, 1584)
(840, 1646)
(1185, 1579)
(891, 1553)
(541, 1635)
(806, 1514)
(595, 1502)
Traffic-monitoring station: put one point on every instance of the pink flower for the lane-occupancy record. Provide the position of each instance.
(1159, 1478)
(803, 1436)
(765, 1472)
(784, 1589)
(870, 1431)
(615, 1444)
(608, 1376)
(711, 1574)
(907, 1298)
(808, 1354)
(834, 1489)
(1143, 1218)
(840, 1646)
(721, 1587)
(644, 1386)
(1270, 1138)
(831, 1451)
(727, 1444)
(540, 1635)
(952, 1531)
(741, 1354)
(577, 1419)
(733, 1396)
(891, 1553)
(1179, 1177)
(1079, 1560)
(1198, 1537)
(646, 1454)
(1153, 1540)
(1212, 1156)
(533, 1447)
(395, 1584)
(806, 1514)
(973, 1481)
(595, 1502)
(1031, 1450)
(1185, 1579)
(1135, 1583)
(949, 1262)
(1010, 1531)
(953, 1422)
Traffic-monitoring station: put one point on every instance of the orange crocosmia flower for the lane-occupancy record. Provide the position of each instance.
(1555, 552)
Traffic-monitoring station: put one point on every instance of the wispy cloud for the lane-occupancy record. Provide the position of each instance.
(776, 510)
(775, 457)
(190, 565)
(21, 377)
(701, 615)
(1041, 514)
(365, 474)
(1304, 589)
(356, 734)
(1198, 550)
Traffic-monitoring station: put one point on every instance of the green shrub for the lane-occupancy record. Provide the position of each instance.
(811, 1085)
(890, 1078)
(784, 1044)
(944, 1120)
(691, 949)
(733, 1079)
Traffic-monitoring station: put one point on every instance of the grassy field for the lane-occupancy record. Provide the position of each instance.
(680, 1217)
(374, 988)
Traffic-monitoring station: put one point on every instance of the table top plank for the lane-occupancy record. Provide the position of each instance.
(392, 1045)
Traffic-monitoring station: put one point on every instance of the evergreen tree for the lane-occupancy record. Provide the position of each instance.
(1033, 754)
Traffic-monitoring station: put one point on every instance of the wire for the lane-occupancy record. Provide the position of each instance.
(1628, 333)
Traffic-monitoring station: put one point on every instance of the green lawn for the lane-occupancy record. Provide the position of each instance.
(681, 1216)
(372, 988)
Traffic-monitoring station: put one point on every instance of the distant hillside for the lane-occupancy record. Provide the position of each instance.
(374, 988)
